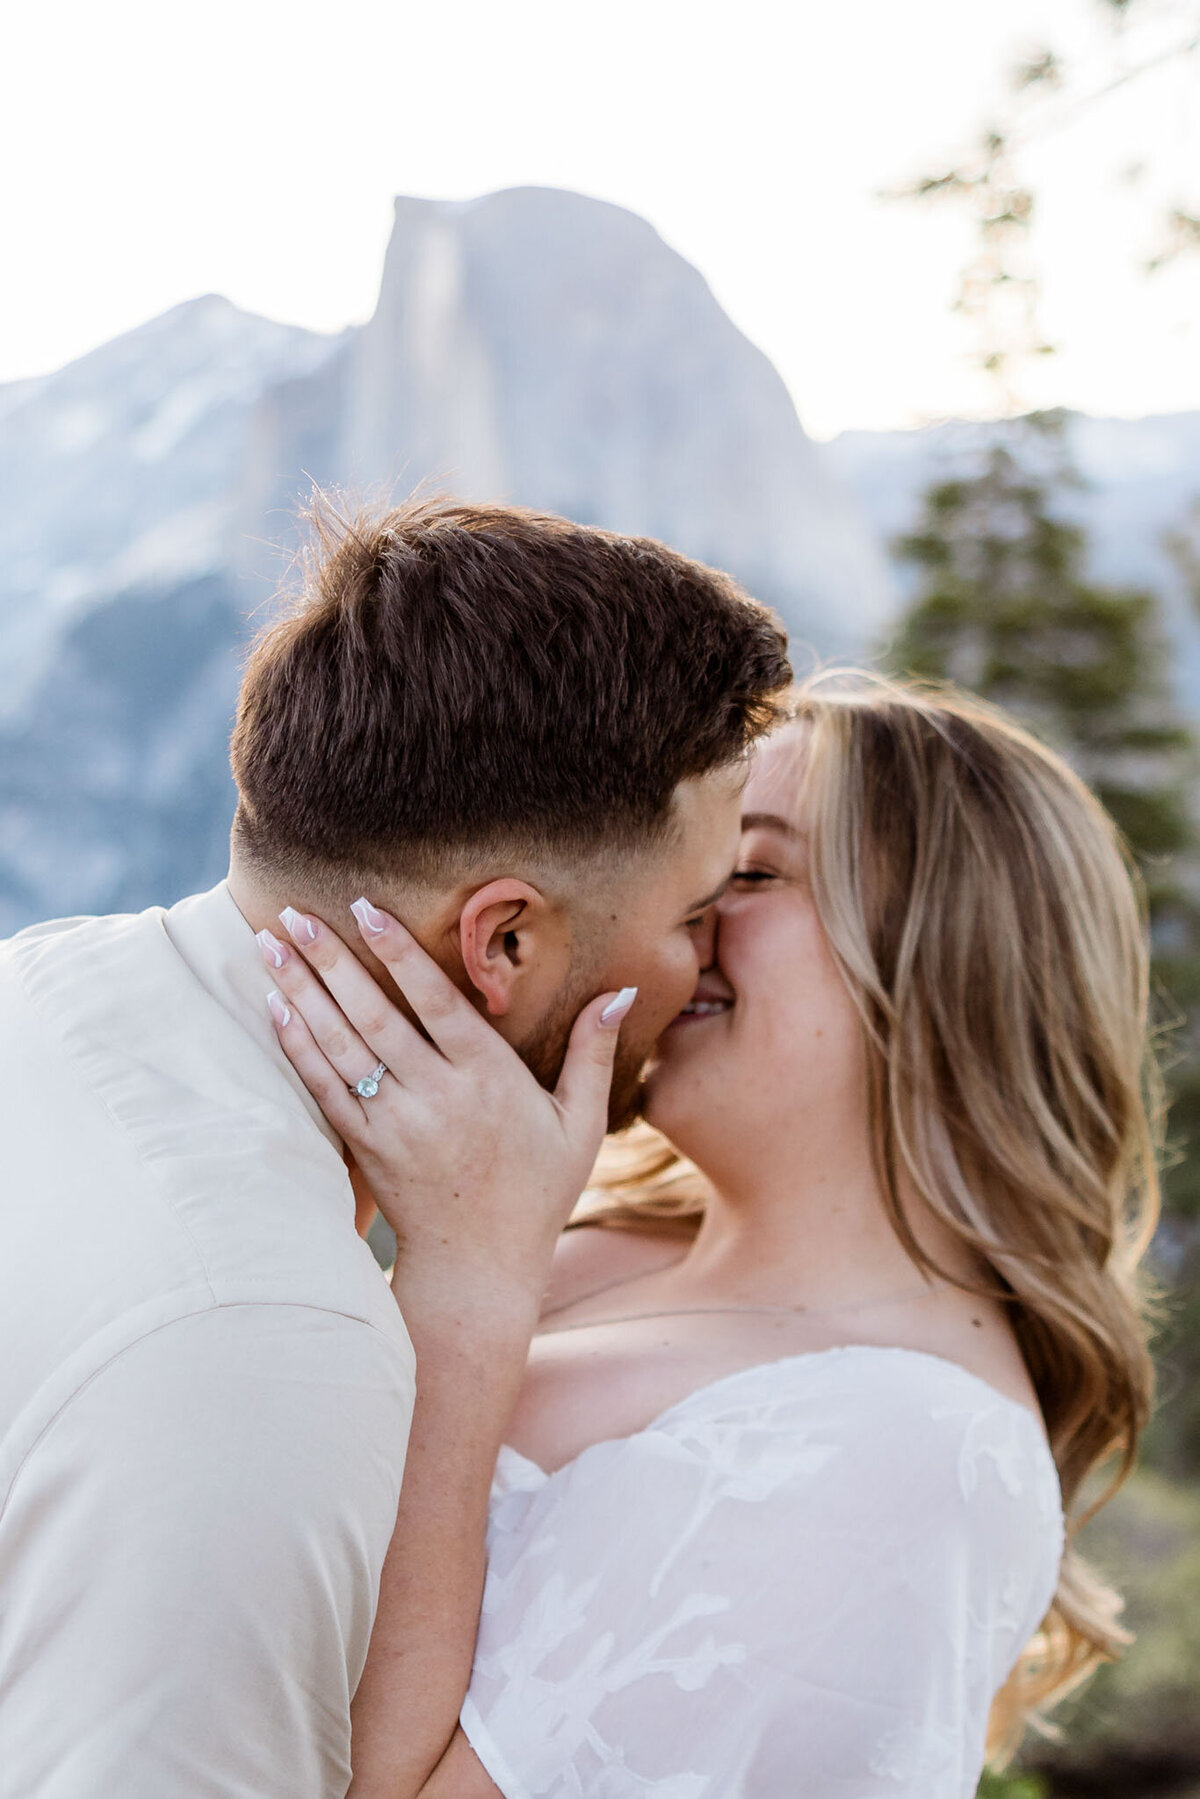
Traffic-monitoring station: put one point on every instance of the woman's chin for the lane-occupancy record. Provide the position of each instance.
(687, 1073)
(670, 1101)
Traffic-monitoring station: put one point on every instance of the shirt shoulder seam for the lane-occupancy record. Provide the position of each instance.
(199, 1311)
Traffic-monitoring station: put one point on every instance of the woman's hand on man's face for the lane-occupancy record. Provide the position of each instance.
(472, 1163)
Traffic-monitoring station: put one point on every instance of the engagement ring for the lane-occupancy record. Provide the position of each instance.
(368, 1087)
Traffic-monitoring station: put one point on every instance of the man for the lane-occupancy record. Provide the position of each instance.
(522, 737)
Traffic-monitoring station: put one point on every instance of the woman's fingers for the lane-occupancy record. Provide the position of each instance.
(452, 1023)
(451, 1020)
(335, 1036)
(344, 1112)
(472, 1163)
(586, 1078)
(345, 991)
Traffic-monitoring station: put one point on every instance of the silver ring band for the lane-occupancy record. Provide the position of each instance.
(368, 1087)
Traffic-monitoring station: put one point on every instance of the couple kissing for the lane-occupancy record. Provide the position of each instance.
(735, 1459)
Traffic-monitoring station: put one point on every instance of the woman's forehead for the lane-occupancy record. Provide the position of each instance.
(777, 772)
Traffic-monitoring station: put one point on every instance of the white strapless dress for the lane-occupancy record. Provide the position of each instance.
(804, 1581)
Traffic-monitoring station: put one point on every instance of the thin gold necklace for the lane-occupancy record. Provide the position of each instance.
(925, 1291)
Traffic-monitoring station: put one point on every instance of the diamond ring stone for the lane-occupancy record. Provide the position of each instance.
(368, 1087)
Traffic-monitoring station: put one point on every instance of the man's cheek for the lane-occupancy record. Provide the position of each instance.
(672, 995)
(665, 984)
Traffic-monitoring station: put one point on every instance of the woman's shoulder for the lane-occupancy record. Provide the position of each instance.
(590, 1257)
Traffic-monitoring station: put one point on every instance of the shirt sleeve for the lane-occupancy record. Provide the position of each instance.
(765, 1603)
(190, 1558)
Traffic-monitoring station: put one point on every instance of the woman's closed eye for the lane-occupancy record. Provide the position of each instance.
(752, 877)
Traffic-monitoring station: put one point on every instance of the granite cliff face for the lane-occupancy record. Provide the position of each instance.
(534, 346)
(550, 350)
(554, 351)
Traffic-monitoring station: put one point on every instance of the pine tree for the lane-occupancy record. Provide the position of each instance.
(1007, 610)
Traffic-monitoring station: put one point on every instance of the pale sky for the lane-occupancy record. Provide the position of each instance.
(252, 148)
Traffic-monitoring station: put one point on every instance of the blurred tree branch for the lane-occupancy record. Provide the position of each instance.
(999, 286)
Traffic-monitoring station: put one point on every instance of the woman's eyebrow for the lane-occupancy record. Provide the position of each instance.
(752, 821)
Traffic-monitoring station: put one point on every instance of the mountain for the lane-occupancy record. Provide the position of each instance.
(534, 346)
(551, 350)
(121, 472)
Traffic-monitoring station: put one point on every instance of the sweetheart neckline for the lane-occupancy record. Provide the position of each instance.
(807, 1355)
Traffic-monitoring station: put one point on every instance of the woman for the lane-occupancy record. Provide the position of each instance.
(781, 1510)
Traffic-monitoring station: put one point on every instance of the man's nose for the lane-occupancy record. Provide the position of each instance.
(705, 938)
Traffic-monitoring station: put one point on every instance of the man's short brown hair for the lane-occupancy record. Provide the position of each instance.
(459, 677)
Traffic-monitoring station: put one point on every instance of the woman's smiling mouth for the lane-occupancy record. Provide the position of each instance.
(703, 1008)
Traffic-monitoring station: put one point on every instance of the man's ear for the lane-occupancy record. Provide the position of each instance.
(511, 936)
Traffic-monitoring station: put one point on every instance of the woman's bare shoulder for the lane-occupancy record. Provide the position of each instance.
(590, 1257)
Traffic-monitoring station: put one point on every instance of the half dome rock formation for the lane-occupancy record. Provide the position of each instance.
(544, 348)
(534, 346)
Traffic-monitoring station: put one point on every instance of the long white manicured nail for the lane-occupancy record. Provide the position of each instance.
(280, 1012)
(369, 917)
(299, 927)
(616, 1009)
(273, 951)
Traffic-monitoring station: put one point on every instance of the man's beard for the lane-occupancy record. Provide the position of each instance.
(545, 1052)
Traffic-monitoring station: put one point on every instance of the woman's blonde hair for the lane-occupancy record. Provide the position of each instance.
(990, 928)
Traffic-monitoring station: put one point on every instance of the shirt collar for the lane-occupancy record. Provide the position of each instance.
(214, 939)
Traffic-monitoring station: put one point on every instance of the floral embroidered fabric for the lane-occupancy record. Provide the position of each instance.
(806, 1579)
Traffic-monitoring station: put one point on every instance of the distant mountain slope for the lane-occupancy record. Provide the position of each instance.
(123, 469)
(534, 345)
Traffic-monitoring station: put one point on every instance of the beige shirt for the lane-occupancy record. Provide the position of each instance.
(205, 1384)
